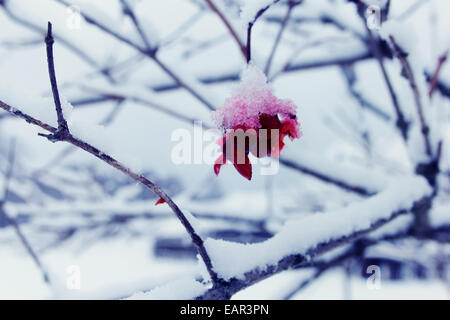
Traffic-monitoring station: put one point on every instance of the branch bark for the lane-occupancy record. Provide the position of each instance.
(227, 24)
(49, 40)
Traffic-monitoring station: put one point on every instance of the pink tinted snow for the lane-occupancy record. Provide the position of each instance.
(253, 98)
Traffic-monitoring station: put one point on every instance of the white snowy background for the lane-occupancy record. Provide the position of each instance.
(76, 211)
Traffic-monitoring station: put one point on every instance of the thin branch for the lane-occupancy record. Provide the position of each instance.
(250, 27)
(411, 9)
(441, 86)
(401, 56)
(248, 51)
(351, 79)
(26, 23)
(183, 28)
(9, 172)
(323, 177)
(321, 268)
(152, 54)
(120, 97)
(227, 289)
(228, 26)
(284, 23)
(323, 18)
(435, 77)
(401, 122)
(12, 221)
(291, 67)
(19, 44)
(182, 83)
(49, 40)
(129, 11)
(66, 136)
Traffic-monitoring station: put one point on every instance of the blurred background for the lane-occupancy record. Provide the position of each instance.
(82, 218)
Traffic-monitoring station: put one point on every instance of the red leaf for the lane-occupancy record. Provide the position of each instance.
(160, 201)
(217, 169)
(290, 128)
(269, 122)
(245, 169)
(221, 160)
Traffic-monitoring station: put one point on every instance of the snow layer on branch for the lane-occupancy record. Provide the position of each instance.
(297, 237)
(180, 289)
(440, 215)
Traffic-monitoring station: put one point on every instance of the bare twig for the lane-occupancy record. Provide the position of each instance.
(361, 190)
(401, 123)
(284, 23)
(401, 56)
(129, 11)
(411, 9)
(291, 67)
(66, 136)
(183, 28)
(228, 26)
(74, 48)
(250, 27)
(351, 81)
(152, 54)
(441, 86)
(435, 77)
(11, 221)
(49, 40)
(320, 270)
(143, 101)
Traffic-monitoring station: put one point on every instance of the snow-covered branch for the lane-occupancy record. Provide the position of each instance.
(300, 241)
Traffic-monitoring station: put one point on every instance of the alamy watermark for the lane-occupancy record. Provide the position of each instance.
(373, 17)
(73, 280)
(201, 146)
(373, 282)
